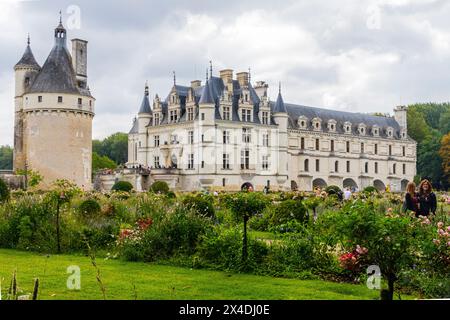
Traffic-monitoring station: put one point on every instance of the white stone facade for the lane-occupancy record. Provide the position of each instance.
(228, 134)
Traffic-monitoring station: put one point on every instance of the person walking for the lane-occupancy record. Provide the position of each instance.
(411, 202)
(427, 199)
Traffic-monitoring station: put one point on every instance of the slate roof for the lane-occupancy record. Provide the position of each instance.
(57, 74)
(135, 128)
(213, 90)
(296, 111)
(145, 106)
(28, 60)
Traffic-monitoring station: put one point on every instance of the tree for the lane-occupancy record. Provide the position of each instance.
(62, 192)
(417, 127)
(444, 152)
(444, 123)
(6, 158)
(101, 162)
(429, 162)
(244, 205)
(114, 147)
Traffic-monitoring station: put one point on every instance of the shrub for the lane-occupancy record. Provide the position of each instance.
(89, 207)
(160, 187)
(124, 186)
(4, 191)
(370, 190)
(200, 204)
(333, 190)
(175, 233)
(289, 210)
(221, 248)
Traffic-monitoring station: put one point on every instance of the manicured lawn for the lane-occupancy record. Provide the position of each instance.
(157, 282)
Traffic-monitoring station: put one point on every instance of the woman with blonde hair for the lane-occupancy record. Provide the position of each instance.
(427, 199)
(411, 202)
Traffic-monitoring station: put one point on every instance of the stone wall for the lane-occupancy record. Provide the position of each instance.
(13, 181)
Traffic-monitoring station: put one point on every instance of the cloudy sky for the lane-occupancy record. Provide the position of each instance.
(365, 56)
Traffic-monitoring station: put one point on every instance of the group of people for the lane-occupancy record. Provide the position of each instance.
(423, 201)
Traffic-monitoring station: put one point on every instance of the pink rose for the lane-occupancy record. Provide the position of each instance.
(448, 228)
(436, 241)
(440, 225)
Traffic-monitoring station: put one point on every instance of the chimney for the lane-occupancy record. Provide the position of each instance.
(242, 77)
(196, 84)
(226, 76)
(261, 89)
(79, 61)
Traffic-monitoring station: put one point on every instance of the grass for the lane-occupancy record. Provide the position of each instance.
(128, 281)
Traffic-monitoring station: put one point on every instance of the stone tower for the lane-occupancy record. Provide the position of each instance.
(54, 113)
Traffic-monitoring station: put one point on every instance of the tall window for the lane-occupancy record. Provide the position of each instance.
(332, 145)
(265, 162)
(404, 151)
(226, 161)
(307, 165)
(226, 113)
(362, 147)
(348, 166)
(156, 140)
(366, 167)
(302, 143)
(394, 169)
(156, 162)
(348, 146)
(191, 137)
(317, 144)
(80, 102)
(246, 115)
(246, 135)
(226, 137)
(404, 169)
(265, 140)
(157, 119)
(376, 148)
(317, 165)
(376, 167)
(336, 166)
(265, 117)
(190, 114)
(245, 159)
(190, 161)
(390, 150)
(173, 116)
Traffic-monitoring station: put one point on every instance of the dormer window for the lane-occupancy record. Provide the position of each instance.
(173, 116)
(404, 134)
(302, 122)
(157, 121)
(362, 129)
(190, 114)
(317, 124)
(246, 115)
(376, 131)
(348, 128)
(265, 117)
(226, 113)
(60, 99)
(332, 125)
(390, 132)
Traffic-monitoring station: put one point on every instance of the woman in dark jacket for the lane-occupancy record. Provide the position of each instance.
(427, 199)
(411, 202)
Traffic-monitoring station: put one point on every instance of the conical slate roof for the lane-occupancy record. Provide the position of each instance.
(145, 106)
(279, 105)
(207, 96)
(57, 74)
(28, 60)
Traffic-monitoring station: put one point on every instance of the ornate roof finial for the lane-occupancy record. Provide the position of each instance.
(28, 39)
(146, 88)
(210, 68)
(279, 89)
(174, 78)
(207, 75)
(60, 17)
